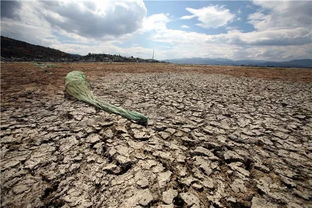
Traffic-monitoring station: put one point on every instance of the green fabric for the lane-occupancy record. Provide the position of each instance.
(78, 86)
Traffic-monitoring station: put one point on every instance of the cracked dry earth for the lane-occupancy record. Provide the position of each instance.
(213, 141)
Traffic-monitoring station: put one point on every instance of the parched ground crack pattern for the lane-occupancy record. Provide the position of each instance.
(213, 140)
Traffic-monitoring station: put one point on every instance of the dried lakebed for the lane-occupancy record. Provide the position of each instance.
(212, 141)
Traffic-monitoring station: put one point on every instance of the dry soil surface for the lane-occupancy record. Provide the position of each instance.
(217, 137)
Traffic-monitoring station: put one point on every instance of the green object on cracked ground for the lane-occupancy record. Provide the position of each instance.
(77, 85)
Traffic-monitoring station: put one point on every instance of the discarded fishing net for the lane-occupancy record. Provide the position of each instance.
(78, 86)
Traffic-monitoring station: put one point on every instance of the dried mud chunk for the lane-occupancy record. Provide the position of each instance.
(141, 179)
(42, 155)
(260, 203)
(169, 195)
(232, 156)
(204, 165)
(237, 168)
(141, 197)
(143, 182)
(164, 178)
(109, 134)
(190, 199)
(164, 135)
(121, 129)
(93, 138)
(140, 135)
(204, 152)
(238, 186)
(111, 168)
(165, 206)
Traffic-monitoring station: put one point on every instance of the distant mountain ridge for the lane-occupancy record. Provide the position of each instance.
(15, 50)
(300, 63)
(11, 48)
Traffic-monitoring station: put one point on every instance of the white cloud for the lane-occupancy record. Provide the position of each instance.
(188, 16)
(155, 22)
(29, 33)
(185, 26)
(282, 14)
(92, 19)
(211, 16)
(277, 37)
(275, 45)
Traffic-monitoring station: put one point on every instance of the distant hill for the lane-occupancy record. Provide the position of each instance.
(15, 50)
(302, 63)
(11, 48)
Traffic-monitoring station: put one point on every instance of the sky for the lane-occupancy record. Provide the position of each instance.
(238, 30)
